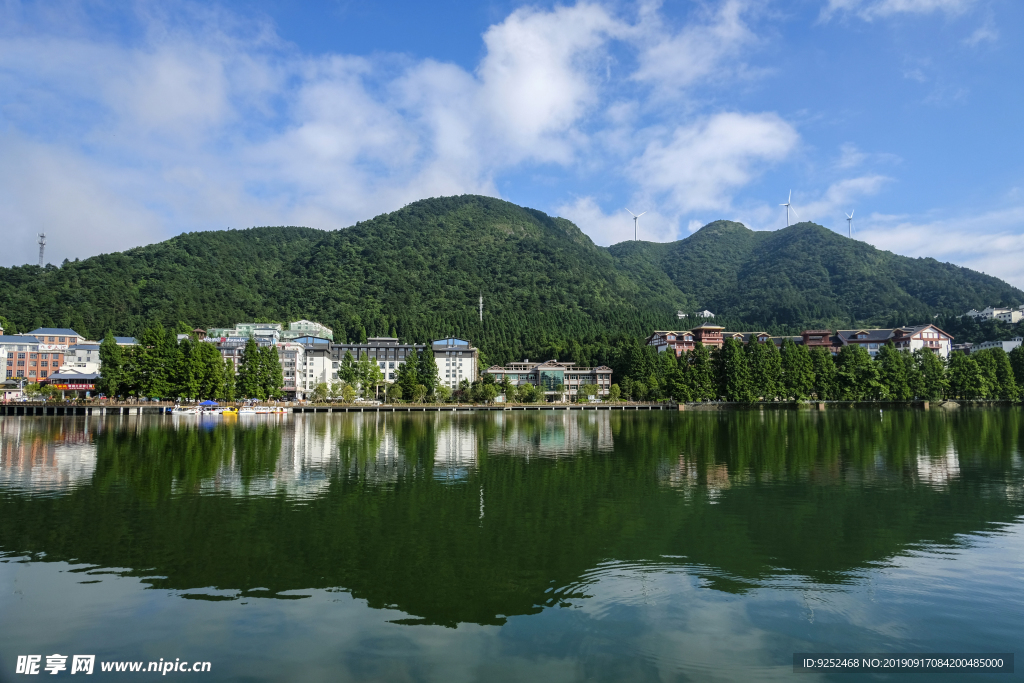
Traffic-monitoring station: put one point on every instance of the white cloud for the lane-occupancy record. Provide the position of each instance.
(701, 50)
(697, 167)
(538, 77)
(870, 9)
(986, 33)
(617, 226)
(990, 242)
(831, 207)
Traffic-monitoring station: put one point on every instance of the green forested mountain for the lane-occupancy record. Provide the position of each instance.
(548, 289)
(807, 274)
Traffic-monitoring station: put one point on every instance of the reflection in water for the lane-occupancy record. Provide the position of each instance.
(45, 455)
(476, 517)
(562, 545)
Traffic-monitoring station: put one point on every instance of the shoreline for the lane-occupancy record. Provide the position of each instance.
(13, 410)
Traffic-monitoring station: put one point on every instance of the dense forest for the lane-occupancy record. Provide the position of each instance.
(549, 291)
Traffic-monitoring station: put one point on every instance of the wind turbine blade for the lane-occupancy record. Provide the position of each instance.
(851, 213)
(790, 196)
(795, 213)
(638, 216)
(631, 213)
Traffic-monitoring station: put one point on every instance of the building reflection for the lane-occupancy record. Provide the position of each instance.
(45, 455)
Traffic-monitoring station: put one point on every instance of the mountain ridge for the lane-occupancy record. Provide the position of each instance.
(549, 290)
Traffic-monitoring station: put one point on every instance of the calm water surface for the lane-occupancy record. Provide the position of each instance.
(547, 546)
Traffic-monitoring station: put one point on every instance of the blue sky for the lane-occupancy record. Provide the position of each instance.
(125, 123)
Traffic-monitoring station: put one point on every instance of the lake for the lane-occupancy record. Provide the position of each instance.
(499, 546)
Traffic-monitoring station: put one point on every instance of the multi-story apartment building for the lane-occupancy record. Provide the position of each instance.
(295, 330)
(1006, 346)
(456, 359)
(20, 350)
(903, 338)
(1005, 313)
(550, 374)
(32, 360)
(82, 358)
(307, 328)
(1011, 317)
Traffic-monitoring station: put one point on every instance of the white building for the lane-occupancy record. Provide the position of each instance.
(903, 338)
(307, 328)
(456, 360)
(299, 328)
(1011, 316)
(20, 350)
(1004, 345)
(82, 359)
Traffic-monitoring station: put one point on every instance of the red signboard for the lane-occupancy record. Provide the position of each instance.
(73, 386)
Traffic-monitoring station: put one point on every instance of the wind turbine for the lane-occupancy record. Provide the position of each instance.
(849, 221)
(788, 206)
(636, 217)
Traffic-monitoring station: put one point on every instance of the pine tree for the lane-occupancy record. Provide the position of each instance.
(826, 383)
(734, 372)
(111, 370)
(701, 374)
(227, 391)
(408, 374)
(426, 370)
(271, 373)
(1017, 363)
(932, 368)
(765, 370)
(348, 371)
(892, 374)
(797, 370)
(248, 383)
(857, 374)
(1006, 383)
(965, 379)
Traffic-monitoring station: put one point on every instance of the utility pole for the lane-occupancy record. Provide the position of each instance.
(481, 306)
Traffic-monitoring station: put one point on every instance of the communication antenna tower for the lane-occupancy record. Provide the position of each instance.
(481, 306)
(42, 247)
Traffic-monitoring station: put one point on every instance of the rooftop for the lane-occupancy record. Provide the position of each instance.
(17, 339)
(55, 331)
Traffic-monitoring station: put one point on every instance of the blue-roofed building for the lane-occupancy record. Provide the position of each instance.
(24, 359)
(56, 338)
(126, 341)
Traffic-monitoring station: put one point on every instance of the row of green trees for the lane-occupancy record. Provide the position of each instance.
(162, 367)
(765, 372)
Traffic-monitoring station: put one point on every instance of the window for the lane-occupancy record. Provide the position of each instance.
(42, 374)
(21, 373)
(60, 339)
(51, 338)
(334, 365)
(31, 355)
(46, 355)
(334, 375)
(21, 363)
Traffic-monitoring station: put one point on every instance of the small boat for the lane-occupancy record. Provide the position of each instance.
(178, 410)
(262, 410)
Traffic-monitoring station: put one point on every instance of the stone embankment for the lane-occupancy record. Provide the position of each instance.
(18, 409)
